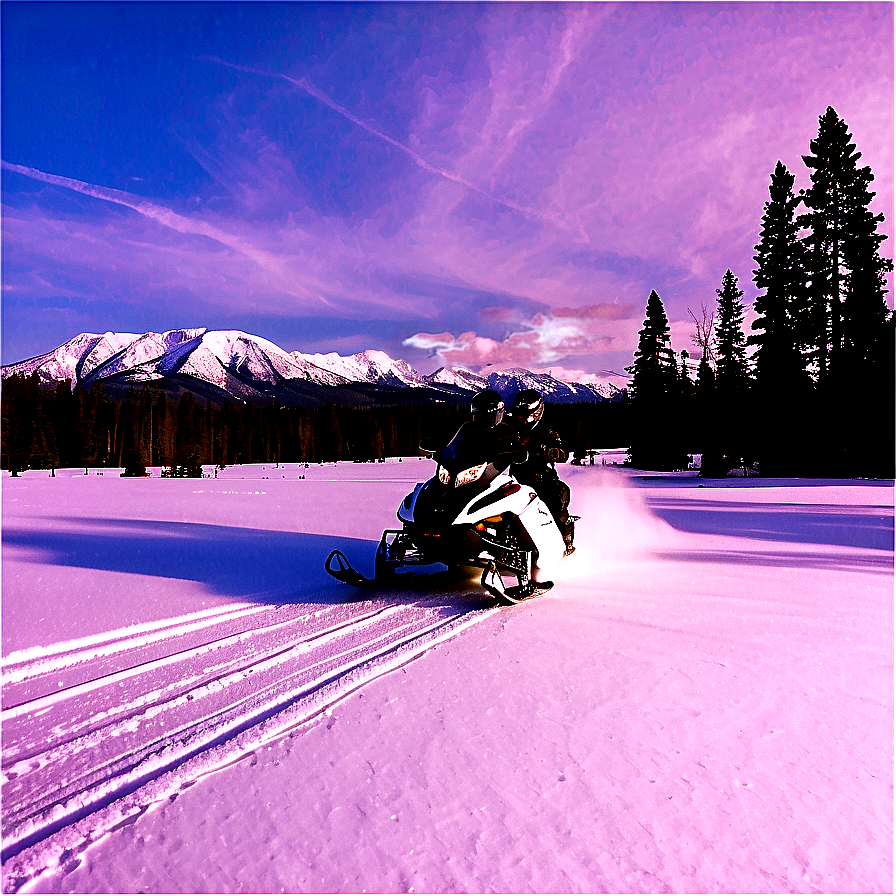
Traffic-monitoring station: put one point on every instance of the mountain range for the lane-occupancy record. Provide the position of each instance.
(228, 365)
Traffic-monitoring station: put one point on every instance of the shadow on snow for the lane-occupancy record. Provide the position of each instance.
(854, 526)
(252, 564)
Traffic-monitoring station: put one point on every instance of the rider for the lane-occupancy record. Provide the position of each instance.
(499, 440)
(544, 449)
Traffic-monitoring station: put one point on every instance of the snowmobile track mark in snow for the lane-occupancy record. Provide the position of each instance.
(77, 761)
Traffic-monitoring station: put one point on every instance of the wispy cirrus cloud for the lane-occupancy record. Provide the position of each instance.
(166, 217)
(308, 87)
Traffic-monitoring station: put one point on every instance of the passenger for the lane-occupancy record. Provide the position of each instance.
(496, 440)
(544, 449)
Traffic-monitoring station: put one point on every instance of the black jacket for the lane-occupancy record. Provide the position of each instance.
(545, 449)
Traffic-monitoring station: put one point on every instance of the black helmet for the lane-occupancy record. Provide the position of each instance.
(528, 408)
(488, 407)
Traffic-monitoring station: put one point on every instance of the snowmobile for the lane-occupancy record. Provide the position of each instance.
(470, 513)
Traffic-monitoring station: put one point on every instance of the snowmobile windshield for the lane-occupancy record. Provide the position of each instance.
(477, 453)
(468, 448)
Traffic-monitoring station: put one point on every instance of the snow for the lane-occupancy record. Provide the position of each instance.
(369, 366)
(76, 358)
(261, 359)
(209, 355)
(457, 376)
(704, 702)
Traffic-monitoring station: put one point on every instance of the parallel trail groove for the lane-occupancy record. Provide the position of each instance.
(88, 723)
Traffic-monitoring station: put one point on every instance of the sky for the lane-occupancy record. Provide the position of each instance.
(479, 185)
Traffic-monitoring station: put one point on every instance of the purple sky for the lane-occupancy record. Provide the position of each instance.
(473, 184)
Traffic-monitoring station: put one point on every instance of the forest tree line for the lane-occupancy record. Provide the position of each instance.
(816, 398)
(45, 428)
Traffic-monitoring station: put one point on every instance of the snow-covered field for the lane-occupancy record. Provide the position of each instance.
(704, 702)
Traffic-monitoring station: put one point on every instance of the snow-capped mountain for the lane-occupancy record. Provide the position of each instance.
(366, 367)
(222, 364)
(508, 382)
(75, 359)
(458, 377)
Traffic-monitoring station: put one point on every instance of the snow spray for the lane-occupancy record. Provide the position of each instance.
(616, 525)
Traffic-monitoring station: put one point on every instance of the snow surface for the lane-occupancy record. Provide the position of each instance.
(704, 702)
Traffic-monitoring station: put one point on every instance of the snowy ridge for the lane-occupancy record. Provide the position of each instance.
(509, 382)
(248, 367)
(223, 358)
(178, 704)
(458, 377)
(74, 359)
(367, 367)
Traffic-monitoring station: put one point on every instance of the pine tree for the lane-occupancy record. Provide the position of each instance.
(732, 374)
(845, 267)
(654, 371)
(781, 310)
(685, 383)
(722, 394)
(705, 386)
(851, 324)
(658, 431)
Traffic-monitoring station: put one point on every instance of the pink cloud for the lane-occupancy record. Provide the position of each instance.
(500, 314)
(543, 340)
(601, 311)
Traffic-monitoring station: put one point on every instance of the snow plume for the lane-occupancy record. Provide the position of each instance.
(615, 524)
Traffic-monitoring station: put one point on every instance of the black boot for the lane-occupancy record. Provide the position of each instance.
(568, 535)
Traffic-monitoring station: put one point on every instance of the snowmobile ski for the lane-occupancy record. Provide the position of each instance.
(494, 584)
(338, 566)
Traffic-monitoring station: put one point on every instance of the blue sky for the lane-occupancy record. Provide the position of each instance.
(476, 184)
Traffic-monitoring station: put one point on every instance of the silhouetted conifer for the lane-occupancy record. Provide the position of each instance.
(653, 372)
(658, 431)
(850, 323)
(732, 373)
(844, 264)
(782, 338)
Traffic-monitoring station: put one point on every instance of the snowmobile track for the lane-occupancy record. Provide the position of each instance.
(96, 731)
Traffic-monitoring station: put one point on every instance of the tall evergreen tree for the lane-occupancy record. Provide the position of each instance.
(786, 344)
(732, 372)
(723, 394)
(852, 325)
(844, 263)
(658, 430)
(781, 310)
(654, 371)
